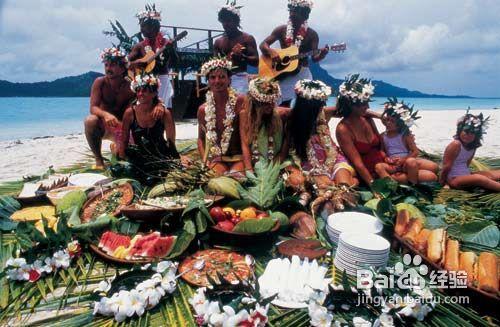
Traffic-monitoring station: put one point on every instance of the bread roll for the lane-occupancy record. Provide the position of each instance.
(436, 245)
(487, 272)
(402, 221)
(451, 261)
(468, 263)
(422, 240)
(414, 228)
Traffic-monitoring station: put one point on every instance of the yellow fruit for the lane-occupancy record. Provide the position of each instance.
(248, 213)
(34, 213)
(231, 211)
(51, 223)
(118, 252)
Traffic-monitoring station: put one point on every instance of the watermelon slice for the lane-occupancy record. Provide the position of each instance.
(104, 239)
(110, 241)
(142, 243)
(160, 247)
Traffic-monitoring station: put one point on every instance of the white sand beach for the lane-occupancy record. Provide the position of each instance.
(33, 156)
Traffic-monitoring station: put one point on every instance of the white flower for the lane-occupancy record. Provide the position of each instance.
(164, 265)
(169, 283)
(123, 305)
(103, 307)
(234, 319)
(319, 315)
(259, 315)
(384, 320)
(15, 263)
(103, 287)
(137, 302)
(416, 310)
(318, 297)
(360, 322)
(61, 259)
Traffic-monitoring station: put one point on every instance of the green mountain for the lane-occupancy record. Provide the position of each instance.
(79, 86)
(71, 86)
(382, 89)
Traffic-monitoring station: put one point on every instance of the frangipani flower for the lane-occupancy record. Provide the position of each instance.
(360, 322)
(319, 315)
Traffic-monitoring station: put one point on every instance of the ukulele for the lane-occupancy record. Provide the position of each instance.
(150, 58)
(288, 61)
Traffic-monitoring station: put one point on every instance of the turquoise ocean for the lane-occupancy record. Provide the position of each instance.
(23, 118)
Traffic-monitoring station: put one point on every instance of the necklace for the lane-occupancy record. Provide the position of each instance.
(290, 38)
(216, 149)
(326, 144)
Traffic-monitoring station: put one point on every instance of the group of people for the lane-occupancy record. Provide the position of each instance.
(246, 118)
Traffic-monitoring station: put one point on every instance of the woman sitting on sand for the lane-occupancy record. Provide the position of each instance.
(219, 141)
(356, 133)
(147, 132)
(399, 145)
(310, 136)
(460, 152)
(261, 126)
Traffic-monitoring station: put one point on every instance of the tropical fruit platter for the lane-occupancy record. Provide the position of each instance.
(80, 247)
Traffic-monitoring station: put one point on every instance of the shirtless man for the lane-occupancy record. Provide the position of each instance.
(237, 45)
(219, 142)
(297, 33)
(149, 21)
(109, 97)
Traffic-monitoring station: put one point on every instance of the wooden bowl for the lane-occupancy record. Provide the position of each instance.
(152, 215)
(243, 239)
(90, 205)
(28, 201)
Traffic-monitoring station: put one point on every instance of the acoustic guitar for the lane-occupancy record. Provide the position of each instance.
(288, 61)
(150, 57)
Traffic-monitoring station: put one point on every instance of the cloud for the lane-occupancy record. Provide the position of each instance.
(425, 45)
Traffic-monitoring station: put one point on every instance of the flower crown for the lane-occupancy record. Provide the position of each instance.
(113, 55)
(231, 7)
(313, 90)
(300, 3)
(149, 14)
(473, 124)
(216, 63)
(146, 80)
(358, 90)
(264, 90)
(402, 112)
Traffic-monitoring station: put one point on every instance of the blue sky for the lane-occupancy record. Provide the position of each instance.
(446, 46)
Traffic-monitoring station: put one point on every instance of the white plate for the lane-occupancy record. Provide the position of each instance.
(86, 179)
(355, 222)
(363, 241)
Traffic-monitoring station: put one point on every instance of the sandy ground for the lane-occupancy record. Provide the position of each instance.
(33, 156)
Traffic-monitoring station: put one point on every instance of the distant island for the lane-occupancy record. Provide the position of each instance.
(79, 86)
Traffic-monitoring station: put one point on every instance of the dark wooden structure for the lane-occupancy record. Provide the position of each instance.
(189, 59)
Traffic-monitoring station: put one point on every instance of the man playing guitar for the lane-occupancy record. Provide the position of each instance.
(237, 45)
(149, 21)
(297, 33)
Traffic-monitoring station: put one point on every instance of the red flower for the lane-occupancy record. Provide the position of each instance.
(74, 249)
(34, 275)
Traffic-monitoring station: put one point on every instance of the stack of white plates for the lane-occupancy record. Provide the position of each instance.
(85, 179)
(357, 251)
(349, 222)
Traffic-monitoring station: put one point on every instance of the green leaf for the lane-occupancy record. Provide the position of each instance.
(434, 222)
(183, 239)
(71, 200)
(282, 218)
(385, 211)
(384, 187)
(372, 204)
(365, 195)
(239, 204)
(254, 226)
(201, 222)
(481, 232)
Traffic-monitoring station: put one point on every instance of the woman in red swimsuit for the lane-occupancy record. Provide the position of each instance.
(356, 133)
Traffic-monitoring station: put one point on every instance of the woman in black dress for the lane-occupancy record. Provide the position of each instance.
(148, 149)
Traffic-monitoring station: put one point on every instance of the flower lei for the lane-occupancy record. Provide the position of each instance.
(358, 90)
(301, 34)
(209, 312)
(18, 269)
(264, 90)
(313, 90)
(146, 80)
(144, 296)
(149, 13)
(270, 149)
(216, 63)
(403, 113)
(472, 123)
(113, 55)
(327, 144)
(216, 149)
